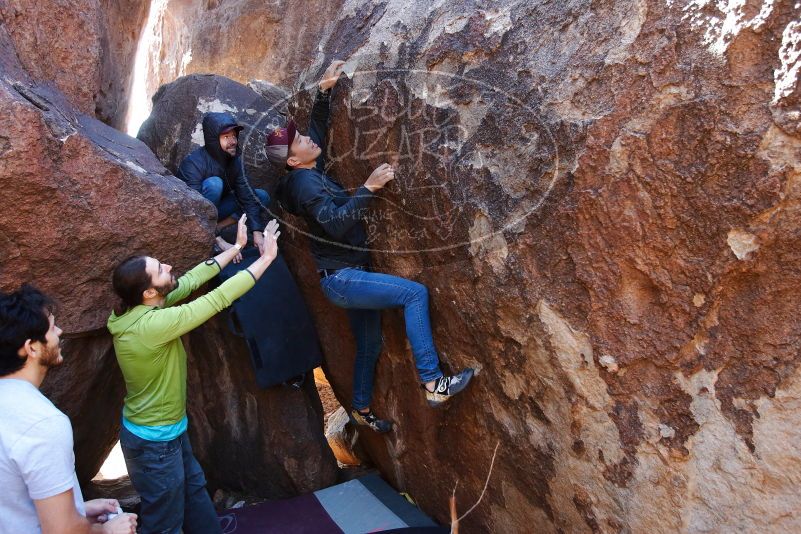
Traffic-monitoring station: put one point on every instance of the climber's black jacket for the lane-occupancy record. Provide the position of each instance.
(332, 215)
(211, 160)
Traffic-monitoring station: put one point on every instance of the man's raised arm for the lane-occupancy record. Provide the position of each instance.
(318, 122)
(204, 272)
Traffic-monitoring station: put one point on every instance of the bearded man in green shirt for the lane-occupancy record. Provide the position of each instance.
(147, 329)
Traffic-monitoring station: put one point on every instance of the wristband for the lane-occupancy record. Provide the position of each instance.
(237, 246)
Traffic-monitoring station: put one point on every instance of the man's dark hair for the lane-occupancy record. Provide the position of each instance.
(130, 280)
(24, 315)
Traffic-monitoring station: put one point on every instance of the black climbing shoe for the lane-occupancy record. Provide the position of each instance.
(369, 419)
(446, 387)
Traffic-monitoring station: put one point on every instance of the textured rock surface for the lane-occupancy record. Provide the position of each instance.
(80, 197)
(85, 47)
(603, 199)
(240, 39)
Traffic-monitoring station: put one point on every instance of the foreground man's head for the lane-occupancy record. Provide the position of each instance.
(29, 336)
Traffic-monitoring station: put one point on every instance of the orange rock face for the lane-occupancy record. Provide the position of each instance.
(603, 201)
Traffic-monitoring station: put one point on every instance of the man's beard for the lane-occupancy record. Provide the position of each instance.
(231, 151)
(52, 357)
(165, 289)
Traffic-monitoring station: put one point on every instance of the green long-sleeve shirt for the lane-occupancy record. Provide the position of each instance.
(147, 341)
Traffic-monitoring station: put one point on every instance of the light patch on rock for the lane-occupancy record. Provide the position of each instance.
(64, 139)
(197, 135)
(571, 393)
(630, 28)
(215, 105)
(729, 489)
(618, 158)
(574, 352)
(341, 438)
(513, 384)
(609, 363)
(642, 124)
(186, 58)
(487, 245)
(502, 415)
(512, 325)
(456, 24)
(720, 29)
(781, 151)
(500, 22)
(787, 75)
(350, 66)
(667, 431)
(742, 243)
(133, 166)
(698, 300)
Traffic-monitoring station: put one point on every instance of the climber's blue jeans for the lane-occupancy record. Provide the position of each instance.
(212, 190)
(364, 295)
(171, 484)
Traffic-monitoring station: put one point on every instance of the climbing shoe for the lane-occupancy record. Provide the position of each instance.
(370, 419)
(446, 387)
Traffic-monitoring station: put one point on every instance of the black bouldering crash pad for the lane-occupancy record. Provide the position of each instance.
(276, 323)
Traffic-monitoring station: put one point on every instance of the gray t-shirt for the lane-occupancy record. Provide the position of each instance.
(36, 456)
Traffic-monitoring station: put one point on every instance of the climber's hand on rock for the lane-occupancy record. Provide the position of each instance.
(331, 75)
(380, 177)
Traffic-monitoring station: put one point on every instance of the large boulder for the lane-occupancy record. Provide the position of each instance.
(603, 201)
(86, 48)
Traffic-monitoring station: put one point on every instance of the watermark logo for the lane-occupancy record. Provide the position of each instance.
(472, 160)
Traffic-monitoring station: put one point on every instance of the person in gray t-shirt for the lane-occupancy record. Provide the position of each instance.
(40, 491)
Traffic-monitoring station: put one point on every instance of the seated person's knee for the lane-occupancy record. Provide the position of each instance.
(212, 189)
